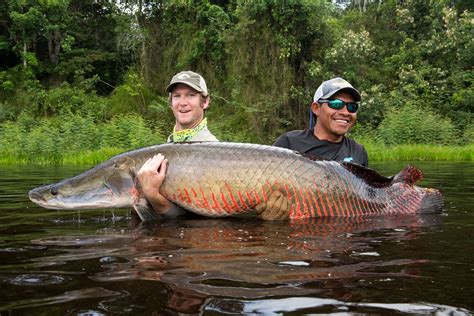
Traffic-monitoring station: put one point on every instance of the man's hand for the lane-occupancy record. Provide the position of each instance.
(276, 207)
(151, 175)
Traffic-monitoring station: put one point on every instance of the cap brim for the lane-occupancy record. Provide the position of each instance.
(170, 86)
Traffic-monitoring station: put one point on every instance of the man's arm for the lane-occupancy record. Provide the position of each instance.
(151, 175)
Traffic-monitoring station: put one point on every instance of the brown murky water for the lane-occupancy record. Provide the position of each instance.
(101, 263)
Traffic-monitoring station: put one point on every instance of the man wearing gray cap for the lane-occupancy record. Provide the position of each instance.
(189, 99)
(334, 107)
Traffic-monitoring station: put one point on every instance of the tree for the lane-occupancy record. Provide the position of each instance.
(26, 24)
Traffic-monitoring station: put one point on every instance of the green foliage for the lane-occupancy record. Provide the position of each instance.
(132, 96)
(78, 77)
(161, 117)
(56, 140)
(414, 124)
(128, 132)
(58, 39)
(421, 49)
(350, 56)
(24, 94)
(270, 48)
(380, 152)
(468, 135)
(185, 35)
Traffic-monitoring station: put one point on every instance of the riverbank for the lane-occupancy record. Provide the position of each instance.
(377, 152)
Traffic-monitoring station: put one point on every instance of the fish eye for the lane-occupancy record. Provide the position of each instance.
(54, 190)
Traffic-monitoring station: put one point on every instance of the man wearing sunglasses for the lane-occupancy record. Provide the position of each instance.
(334, 107)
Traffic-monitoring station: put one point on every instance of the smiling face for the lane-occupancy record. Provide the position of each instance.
(188, 106)
(332, 124)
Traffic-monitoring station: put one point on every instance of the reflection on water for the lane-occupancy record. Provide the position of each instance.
(101, 263)
(201, 254)
(278, 306)
(240, 258)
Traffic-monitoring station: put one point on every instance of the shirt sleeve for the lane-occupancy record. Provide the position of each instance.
(282, 141)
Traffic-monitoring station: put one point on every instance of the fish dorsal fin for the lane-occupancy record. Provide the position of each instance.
(312, 157)
(371, 176)
(409, 175)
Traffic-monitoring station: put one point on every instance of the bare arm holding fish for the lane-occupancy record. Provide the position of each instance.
(151, 175)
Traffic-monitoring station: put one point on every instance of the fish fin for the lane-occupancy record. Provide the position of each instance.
(409, 175)
(312, 157)
(371, 176)
(275, 208)
(145, 211)
(141, 205)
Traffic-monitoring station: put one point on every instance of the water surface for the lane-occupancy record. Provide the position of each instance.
(102, 263)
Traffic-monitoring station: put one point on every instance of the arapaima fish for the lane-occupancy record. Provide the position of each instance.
(223, 179)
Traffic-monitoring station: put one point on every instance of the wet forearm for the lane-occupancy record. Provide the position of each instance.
(159, 203)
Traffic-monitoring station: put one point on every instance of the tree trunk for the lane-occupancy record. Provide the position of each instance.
(24, 54)
(54, 46)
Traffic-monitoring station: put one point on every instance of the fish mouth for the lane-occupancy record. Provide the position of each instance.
(36, 197)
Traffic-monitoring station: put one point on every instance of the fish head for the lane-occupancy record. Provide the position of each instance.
(108, 185)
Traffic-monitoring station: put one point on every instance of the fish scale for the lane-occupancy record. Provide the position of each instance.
(223, 179)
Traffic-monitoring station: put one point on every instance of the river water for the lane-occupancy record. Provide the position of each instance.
(100, 262)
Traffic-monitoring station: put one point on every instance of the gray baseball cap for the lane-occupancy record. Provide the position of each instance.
(190, 78)
(332, 86)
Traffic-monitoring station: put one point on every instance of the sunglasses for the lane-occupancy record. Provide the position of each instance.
(352, 107)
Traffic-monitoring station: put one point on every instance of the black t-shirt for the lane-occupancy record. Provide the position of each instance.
(305, 142)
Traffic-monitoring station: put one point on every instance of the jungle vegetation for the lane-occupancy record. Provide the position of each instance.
(81, 80)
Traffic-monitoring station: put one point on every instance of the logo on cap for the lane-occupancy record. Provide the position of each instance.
(184, 76)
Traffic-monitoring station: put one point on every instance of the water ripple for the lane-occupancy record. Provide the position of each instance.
(37, 279)
(96, 292)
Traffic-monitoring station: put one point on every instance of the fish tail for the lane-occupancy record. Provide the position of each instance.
(432, 202)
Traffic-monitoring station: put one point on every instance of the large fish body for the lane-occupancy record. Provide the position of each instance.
(222, 179)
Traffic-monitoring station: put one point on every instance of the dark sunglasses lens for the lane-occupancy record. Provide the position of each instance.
(336, 104)
(352, 107)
